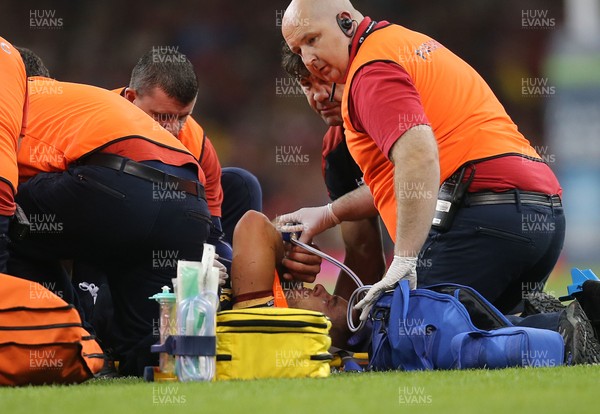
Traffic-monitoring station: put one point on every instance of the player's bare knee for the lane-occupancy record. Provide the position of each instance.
(253, 222)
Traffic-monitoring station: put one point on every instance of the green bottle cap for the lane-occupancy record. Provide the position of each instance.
(164, 295)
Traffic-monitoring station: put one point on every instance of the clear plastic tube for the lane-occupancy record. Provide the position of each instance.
(361, 289)
(196, 317)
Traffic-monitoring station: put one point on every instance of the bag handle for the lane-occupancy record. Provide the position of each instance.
(398, 310)
(419, 347)
(400, 300)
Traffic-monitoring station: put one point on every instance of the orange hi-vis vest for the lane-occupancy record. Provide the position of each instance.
(193, 137)
(68, 121)
(468, 121)
(13, 93)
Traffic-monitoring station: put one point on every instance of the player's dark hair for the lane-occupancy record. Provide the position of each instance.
(292, 63)
(167, 69)
(34, 66)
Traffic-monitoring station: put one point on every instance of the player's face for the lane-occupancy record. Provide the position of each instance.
(321, 44)
(333, 306)
(317, 93)
(167, 111)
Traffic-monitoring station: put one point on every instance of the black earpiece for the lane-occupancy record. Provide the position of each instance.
(345, 24)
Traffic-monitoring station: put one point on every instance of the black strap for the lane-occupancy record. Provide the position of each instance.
(367, 32)
(512, 197)
(482, 314)
(188, 345)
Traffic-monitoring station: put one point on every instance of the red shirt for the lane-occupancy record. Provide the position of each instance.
(510, 172)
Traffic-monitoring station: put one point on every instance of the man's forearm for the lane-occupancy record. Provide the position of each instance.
(355, 205)
(416, 183)
(364, 254)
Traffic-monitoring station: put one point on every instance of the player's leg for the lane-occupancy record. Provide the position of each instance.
(257, 249)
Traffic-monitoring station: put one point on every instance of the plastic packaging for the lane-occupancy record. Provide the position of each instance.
(197, 302)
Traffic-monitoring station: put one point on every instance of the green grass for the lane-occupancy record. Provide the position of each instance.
(540, 390)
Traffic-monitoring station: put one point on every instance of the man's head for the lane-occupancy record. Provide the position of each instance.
(34, 66)
(333, 306)
(320, 32)
(317, 91)
(164, 85)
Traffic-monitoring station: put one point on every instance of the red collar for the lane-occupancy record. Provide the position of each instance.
(364, 29)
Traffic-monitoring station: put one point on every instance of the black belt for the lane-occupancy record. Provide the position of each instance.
(145, 172)
(512, 197)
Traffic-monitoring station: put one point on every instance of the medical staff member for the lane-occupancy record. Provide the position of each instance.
(103, 183)
(422, 124)
(164, 84)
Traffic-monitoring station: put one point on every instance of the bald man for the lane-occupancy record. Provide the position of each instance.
(455, 182)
